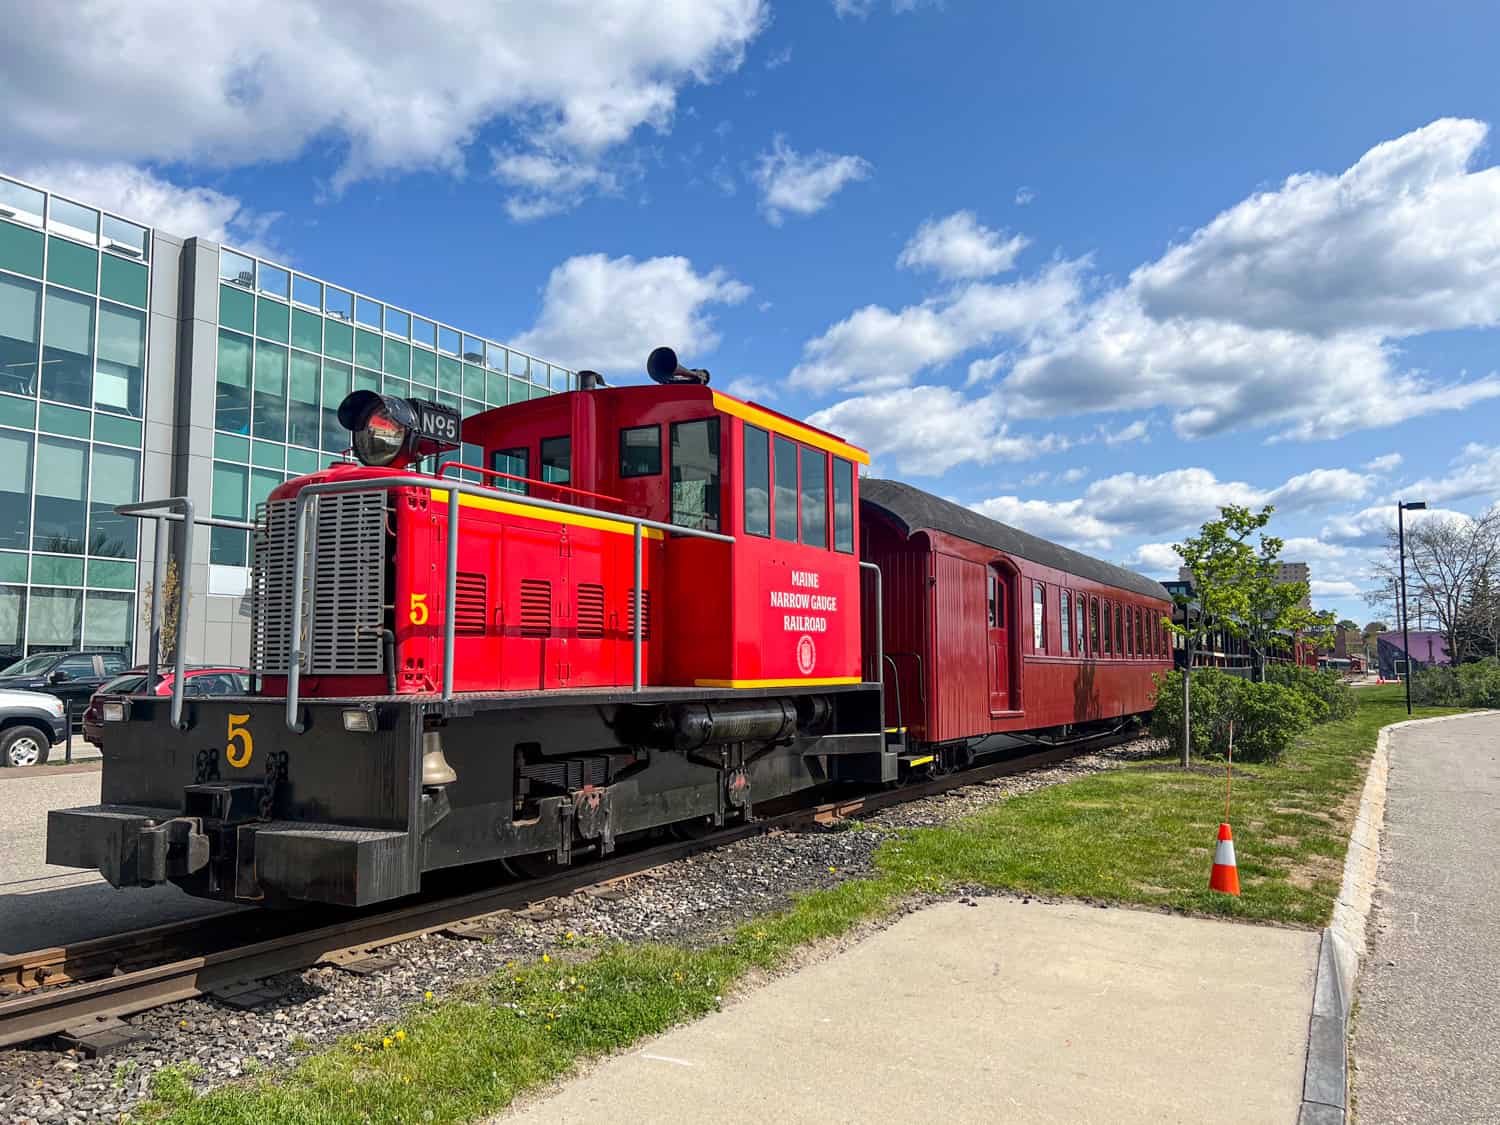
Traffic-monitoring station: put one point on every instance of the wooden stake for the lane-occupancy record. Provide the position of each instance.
(1229, 771)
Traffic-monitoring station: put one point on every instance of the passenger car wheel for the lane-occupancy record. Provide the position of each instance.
(24, 746)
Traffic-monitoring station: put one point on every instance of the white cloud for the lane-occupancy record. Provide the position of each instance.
(1139, 430)
(1384, 463)
(1024, 195)
(405, 86)
(862, 8)
(1325, 588)
(1179, 500)
(1312, 550)
(876, 348)
(747, 386)
(1369, 527)
(138, 193)
(960, 246)
(1159, 560)
(778, 59)
(927, 430)
(1285, 313)
(608, 313)
(803, 183)
(1073, 475)
(545, 183)
(1474, 472)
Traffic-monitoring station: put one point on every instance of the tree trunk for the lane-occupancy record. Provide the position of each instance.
(1187, 711)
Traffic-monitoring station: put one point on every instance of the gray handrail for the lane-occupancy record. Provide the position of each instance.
(310, 492)
(173, 509)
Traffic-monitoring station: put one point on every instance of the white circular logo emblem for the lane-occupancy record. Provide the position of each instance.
(807, 654)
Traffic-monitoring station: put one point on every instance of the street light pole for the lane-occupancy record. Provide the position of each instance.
(1401, 509)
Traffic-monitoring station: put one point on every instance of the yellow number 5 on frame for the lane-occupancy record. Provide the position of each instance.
(418, 612)
(239, 743)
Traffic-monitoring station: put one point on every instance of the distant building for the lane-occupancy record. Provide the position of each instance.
(1285, 572)
(1428, 648)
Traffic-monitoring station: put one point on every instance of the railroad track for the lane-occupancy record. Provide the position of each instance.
(84, 989)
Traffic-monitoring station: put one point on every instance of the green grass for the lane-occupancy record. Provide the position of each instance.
(1143, 834)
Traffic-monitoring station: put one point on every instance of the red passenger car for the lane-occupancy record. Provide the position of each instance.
(990, 630)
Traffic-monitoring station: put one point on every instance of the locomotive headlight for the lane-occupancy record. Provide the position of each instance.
(381, 439)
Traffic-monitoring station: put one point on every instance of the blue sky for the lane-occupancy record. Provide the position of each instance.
(1093, 269)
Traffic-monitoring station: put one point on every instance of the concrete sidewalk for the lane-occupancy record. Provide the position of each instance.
(998, 1012)
(1429, 996)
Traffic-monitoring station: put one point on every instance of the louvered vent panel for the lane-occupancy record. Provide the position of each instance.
(645, 617)
(536, 607)
(472, 605)
(271, 587)
(590, 610)
(348, 584)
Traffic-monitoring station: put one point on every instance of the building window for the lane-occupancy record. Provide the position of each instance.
(268, 403)
(62, 469)
(226, 545)
(106, 623)
(303, 417)
(15, 491)
(21, 204)
(640, 451)
(236, 269)
(513, 462)
(336, 385)
(54, 621)
(843, 505)
(20, 317)
(273, 280)
(695, 474)
(114, 481)
(786, 489)
(73, 220)
(757, 481)
(1065, 620)
(119, 375)
(1039, 617)
(68, 348)
(557, 460)
(12, 622)
(814, 498)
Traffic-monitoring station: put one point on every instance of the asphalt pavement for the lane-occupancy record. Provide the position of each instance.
(1000, 1011)
(1428, 1024)
(42, 906)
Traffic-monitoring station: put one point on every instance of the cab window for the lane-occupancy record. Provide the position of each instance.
(640, 451)
(695, 474)
(557, 460)
(786, 489)
(514, 462)
(757, 472)
(814, 498)
(843, 505)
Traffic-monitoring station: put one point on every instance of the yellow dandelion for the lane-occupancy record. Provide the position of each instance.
(359, 1046)
(406, 1079)
(386, 1042)
(518, 980)
(182, 1024)
(427, 995)
(677, 977)
(400, 1037)
(832, 870)
(510, 964)
(546, 959)
(570, 935)
(580, 988)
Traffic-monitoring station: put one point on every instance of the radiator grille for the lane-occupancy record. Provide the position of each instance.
(645, 615)
(343, 587)
(471, 605)
(590, 610)
(536, 607)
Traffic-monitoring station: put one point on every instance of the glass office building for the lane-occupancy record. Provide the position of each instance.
(135, 363)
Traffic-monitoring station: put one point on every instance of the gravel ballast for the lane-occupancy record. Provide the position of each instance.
(688, 901)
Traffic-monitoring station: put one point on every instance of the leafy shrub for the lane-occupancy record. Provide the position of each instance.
(1266, 717)
(1479, 683)
(1332, 698)
(1436, 687)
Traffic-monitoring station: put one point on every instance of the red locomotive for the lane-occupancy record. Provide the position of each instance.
(650, 607)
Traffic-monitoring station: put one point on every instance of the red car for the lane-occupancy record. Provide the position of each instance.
(203, 680)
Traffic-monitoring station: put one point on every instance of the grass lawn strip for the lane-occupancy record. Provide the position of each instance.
(1141, 835)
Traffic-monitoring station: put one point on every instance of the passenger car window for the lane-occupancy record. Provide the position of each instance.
(1094, 626)
(843, 505)
(757, 472)
(1120, 636)
(1083, 625)
(786, 489)
(695, 474)
(1065, 619)
(1039, 617)
(814, 498)
(640, 451)
(512, 461)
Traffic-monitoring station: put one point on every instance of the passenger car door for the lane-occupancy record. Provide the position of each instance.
(997, 607)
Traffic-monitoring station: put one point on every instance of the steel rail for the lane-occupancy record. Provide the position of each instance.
(42, 1010)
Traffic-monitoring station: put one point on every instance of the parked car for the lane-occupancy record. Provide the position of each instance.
(71, 676)
(30, 723)
(206, 679)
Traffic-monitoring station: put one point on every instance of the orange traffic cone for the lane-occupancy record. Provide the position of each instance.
(1226, 876)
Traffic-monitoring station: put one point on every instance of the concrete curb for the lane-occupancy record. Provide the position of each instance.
(1325, 1081)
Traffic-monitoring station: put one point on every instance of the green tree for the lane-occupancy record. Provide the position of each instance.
(1235, 592)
